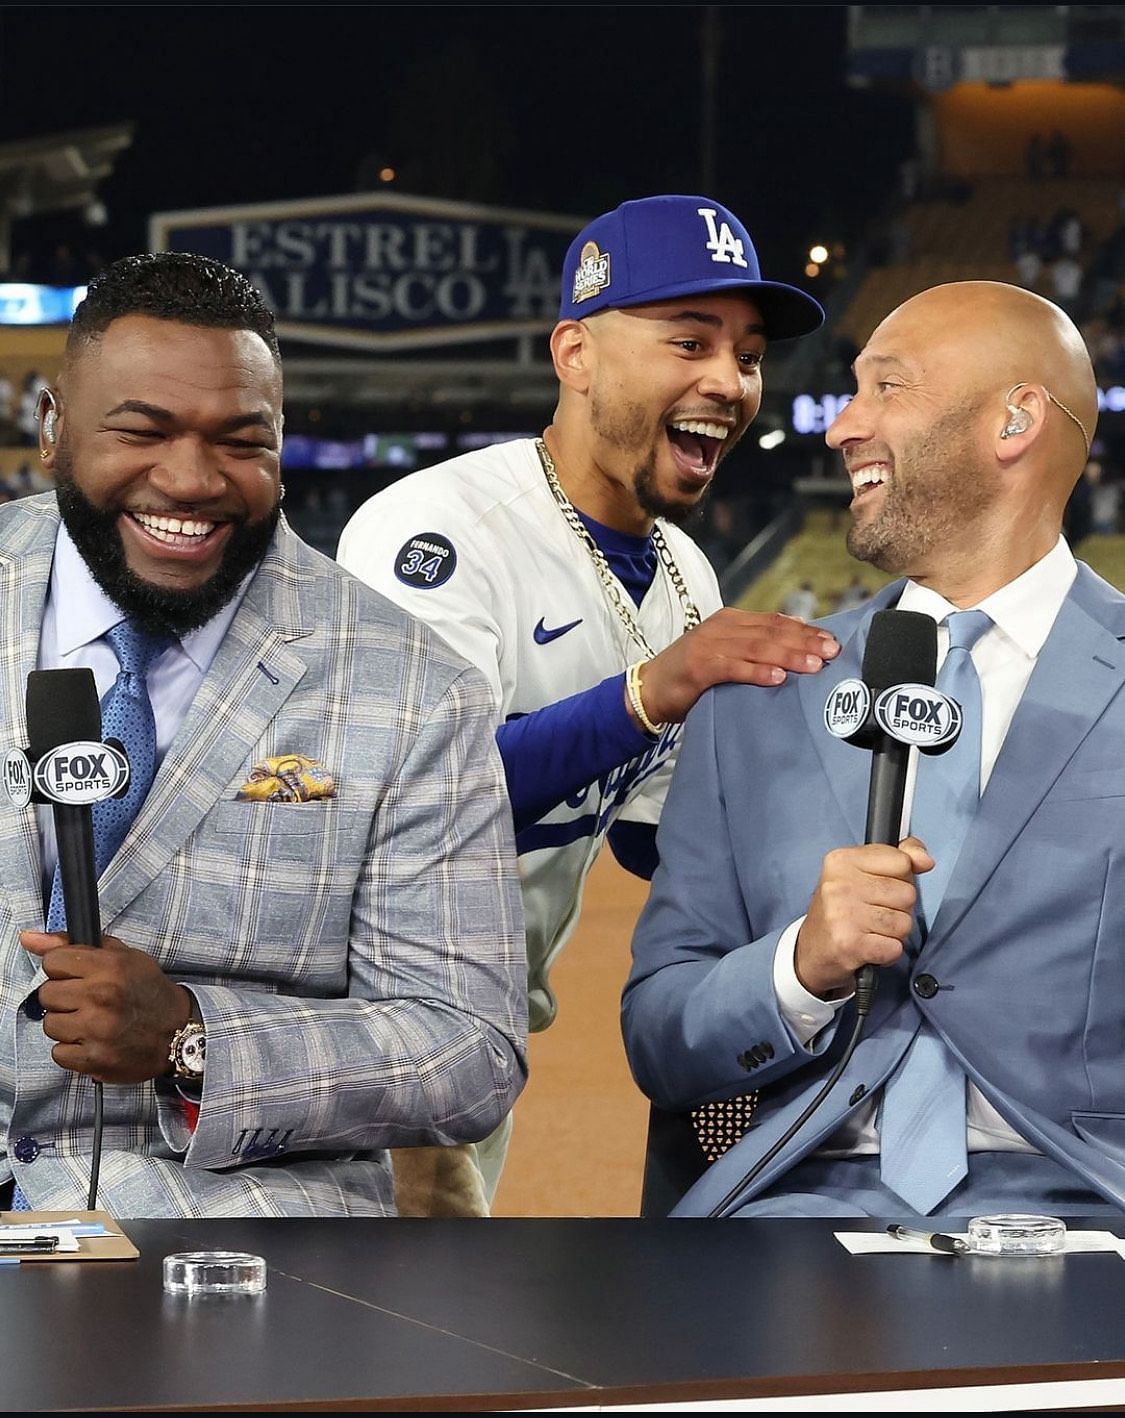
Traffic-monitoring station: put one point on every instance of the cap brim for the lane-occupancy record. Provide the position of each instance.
(786, 311)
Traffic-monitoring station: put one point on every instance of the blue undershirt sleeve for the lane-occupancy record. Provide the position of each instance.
(564, 747)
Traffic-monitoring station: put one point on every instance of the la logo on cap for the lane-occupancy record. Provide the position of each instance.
(592, 275)
(724, 245)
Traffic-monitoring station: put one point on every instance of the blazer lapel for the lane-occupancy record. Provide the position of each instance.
(252, 676)
(1080, 669)
(847, 768)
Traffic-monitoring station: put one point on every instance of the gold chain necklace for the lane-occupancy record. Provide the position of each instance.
(601, 566)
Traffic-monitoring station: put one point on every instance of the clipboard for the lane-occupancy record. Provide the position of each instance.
(114, 1246)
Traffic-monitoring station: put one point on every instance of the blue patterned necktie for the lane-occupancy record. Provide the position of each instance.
(922, 1144)
(126, 715)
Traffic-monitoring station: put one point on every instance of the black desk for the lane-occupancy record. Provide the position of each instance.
(540, 1313)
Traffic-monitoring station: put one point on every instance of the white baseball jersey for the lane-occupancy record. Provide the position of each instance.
(478, 548)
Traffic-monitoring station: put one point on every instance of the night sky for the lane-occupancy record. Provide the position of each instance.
(564, 109)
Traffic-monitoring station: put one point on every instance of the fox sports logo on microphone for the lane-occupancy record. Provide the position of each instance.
(81, 773)
(847, 708)
(918, 714)
(17, 777)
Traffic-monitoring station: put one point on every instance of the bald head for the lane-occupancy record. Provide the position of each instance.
(969, 429)
(997, 336)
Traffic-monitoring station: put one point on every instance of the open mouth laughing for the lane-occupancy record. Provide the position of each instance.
(866, 477)
(177, 533)
(697, 445)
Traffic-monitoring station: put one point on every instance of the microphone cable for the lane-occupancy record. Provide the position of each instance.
(96, 1150)
(866, 984)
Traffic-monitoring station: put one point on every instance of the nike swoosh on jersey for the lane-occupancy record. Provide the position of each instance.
(543, 636)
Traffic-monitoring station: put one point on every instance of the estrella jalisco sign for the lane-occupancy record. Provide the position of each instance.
(384, 271)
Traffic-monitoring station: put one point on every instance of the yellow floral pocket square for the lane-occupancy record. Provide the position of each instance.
(289, 778)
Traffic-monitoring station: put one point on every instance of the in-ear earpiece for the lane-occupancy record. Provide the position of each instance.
(49, 409)
(1019, 421)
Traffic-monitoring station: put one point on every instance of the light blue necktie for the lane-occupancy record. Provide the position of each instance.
(126, 715)
(922, 1144)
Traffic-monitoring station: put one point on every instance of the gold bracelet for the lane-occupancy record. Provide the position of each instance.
(636, 703)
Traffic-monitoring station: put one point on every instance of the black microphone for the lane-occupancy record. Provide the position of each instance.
(901, 650)
(72, 768)
(891, 708)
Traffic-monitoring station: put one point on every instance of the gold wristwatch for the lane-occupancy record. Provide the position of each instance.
(188, 1051)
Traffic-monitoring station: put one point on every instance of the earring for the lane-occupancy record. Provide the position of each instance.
(1019, 421)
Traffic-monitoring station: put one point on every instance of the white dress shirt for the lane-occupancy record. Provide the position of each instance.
(76, 615)
(1023, 613)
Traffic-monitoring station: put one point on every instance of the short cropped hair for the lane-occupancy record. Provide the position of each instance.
(172, 285)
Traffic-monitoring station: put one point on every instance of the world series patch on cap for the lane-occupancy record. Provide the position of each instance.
(658, 248)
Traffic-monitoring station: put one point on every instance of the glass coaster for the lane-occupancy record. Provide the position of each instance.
(214, 1273)
(1015, 1234)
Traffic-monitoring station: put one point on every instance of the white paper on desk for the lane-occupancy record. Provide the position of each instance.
(867, 1243)
(75, 1226)
(67, 1240)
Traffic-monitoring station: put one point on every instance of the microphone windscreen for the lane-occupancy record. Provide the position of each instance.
(901, 649)
(62, 707)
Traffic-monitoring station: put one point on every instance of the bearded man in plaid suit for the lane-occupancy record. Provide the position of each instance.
(313, 944)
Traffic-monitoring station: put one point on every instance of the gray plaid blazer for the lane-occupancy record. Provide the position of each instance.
(359, 960)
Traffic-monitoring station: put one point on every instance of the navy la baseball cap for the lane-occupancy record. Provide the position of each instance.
(657, 248)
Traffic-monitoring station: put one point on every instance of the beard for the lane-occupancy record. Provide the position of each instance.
(936, 491)
(680, 514)
(156, 609)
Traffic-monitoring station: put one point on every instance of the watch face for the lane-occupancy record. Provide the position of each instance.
(191, 1053)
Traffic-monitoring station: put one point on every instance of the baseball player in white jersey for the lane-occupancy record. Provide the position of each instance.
(558, 566)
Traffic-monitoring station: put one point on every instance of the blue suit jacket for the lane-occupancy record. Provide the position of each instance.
(1028, 947)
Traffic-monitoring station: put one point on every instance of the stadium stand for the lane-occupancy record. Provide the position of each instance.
(969, 238)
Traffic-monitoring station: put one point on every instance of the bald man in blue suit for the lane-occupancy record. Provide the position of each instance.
(972, 422)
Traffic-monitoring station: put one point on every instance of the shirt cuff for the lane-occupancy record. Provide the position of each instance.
(805, 1014)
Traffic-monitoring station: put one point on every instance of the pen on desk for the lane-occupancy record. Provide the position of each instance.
(936, 1240)
(36, 1244)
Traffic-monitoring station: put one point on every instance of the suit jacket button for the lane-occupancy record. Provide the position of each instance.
(26, 1149)
(747, 1061)
(859, 1093)
(926, 986)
